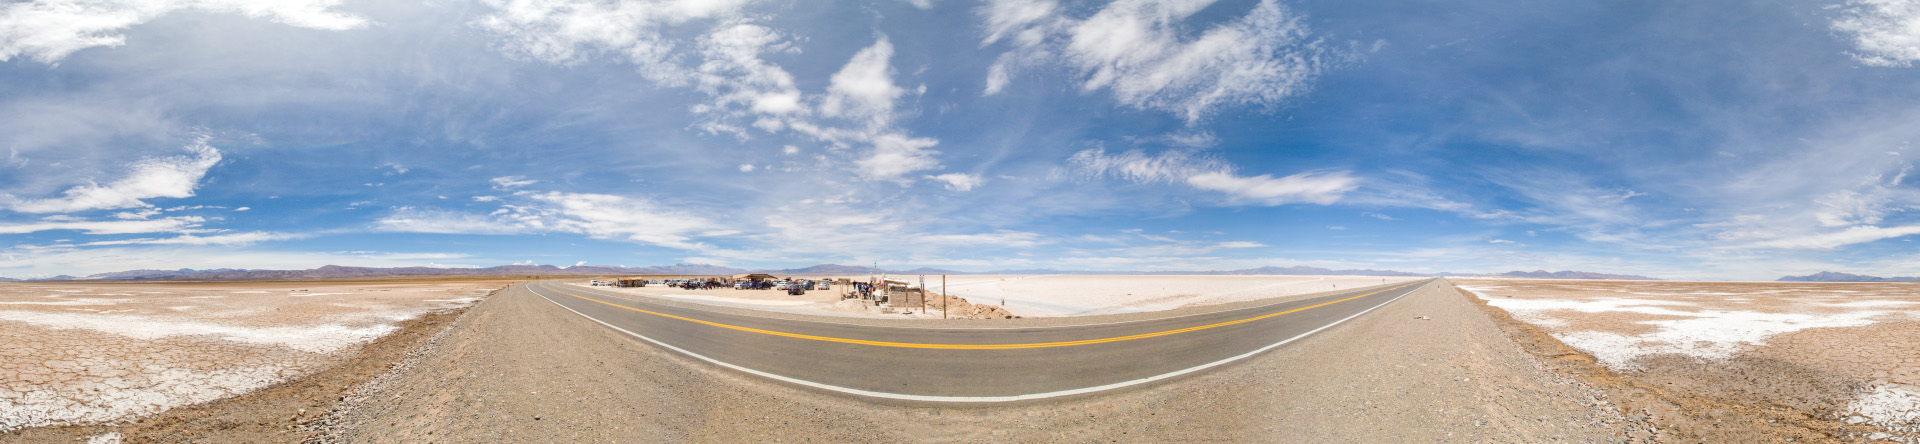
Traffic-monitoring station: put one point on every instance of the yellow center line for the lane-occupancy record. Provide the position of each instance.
(974, 346)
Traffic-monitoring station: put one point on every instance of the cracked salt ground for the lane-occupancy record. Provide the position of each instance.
(1862, 333)
(91, 360)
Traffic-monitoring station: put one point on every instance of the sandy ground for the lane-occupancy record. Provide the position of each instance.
(1841, 353)
(86, 353)
(516, 368)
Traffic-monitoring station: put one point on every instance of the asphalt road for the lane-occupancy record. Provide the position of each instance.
(995, 364)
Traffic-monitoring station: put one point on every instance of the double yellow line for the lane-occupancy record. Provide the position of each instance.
(974, 346)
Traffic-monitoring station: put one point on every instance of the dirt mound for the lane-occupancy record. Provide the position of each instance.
(960, 308)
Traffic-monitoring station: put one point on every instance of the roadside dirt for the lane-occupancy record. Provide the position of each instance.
(1428, 368)
(1680, 399)
(276, 414)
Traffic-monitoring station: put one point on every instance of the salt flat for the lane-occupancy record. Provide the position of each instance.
(1851, 345)
(73, 353)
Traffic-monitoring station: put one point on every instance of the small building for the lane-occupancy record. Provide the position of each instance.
(630, 282)
(753, 277)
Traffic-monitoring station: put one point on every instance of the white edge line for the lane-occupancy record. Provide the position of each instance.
(624, 296)
(979, 399)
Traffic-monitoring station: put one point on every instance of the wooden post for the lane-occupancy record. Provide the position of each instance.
(923, 294)
(943, 296)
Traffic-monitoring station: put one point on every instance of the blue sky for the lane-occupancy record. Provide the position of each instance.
(1686, 140)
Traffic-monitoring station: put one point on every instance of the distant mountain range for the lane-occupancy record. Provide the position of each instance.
(1829, 276)
(344, 272)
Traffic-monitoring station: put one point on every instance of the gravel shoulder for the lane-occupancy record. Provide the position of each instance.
(517, 368)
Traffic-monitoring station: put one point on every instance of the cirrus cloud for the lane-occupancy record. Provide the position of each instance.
(49, 30)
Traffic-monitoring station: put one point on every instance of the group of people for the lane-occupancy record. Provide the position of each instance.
(862, 290)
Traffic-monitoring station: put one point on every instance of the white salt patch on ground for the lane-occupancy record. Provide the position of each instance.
(1891, 406)
(245, 292)
(120, 397)
(1708, 334)
(65, 302)
(106, 438)
(313, 294)
(313, 339)
(458, 301)
(1870, 304)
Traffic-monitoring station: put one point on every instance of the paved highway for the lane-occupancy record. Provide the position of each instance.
(974, 364)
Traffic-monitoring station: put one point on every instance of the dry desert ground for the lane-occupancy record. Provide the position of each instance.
(1843, 352)
(78, 353)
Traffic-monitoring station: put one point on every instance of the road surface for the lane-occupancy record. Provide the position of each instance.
(994, 364)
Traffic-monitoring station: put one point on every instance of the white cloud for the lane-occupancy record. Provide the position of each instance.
(242, 209)
(959, 181)
(162, 225)
(509, 182)
(446, 222)
(1884, 32)
(895, 155)
(1502, 241)
(1850, 236)
(726, 63)
(189, 239)
(746, 168)
(49, 30)
(1146, 54)
(609, 216)
(1207, 173)
(1323, 188)
(735, 75)
(485, 198)
(567, 32)
(597, 215)
(1241, 244)
(164, 177)
(863, 89)
(1001, 238)
(142, 214)
(1016, 19)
